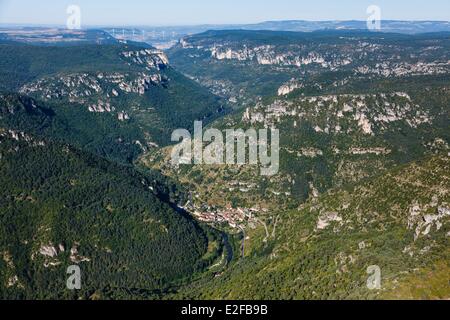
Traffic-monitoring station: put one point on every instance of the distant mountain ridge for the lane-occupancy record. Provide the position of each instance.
(397, 26)
(165, 37)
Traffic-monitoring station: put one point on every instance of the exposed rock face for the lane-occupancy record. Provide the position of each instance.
(399, 69)
(81, 87)
(327, 218)
(289, 87)
(100, 91)
(150, 59)
(380, 59)
(52, 255)
(123, 116)
(75, 257)
(101, 107)
(423, 222)
(271, 55)
(314, 191)
(48, 251)
(369, 112)
(376, 151)
(13, 281)
(310, 152)
(22, 136)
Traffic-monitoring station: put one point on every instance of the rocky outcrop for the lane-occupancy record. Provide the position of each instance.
(425, 218)
(82, 87)
(367, 113)
(399, 69)
(149, 58)
(325, 219)
(289, 87)
(48, 251)
(272, 55)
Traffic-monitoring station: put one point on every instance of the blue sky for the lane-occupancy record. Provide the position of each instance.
(182, 12)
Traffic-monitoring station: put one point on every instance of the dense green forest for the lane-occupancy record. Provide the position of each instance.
(23, 63)
(124, 235)
(101, 135)
(168, 104)
(72, 189)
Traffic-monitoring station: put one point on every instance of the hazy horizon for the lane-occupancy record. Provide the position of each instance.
(89, 26)
(203, 12)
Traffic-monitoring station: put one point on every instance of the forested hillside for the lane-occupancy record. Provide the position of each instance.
(398, 222)
(87, 177)
(60, 206)
(115, 85)
(101, 135)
